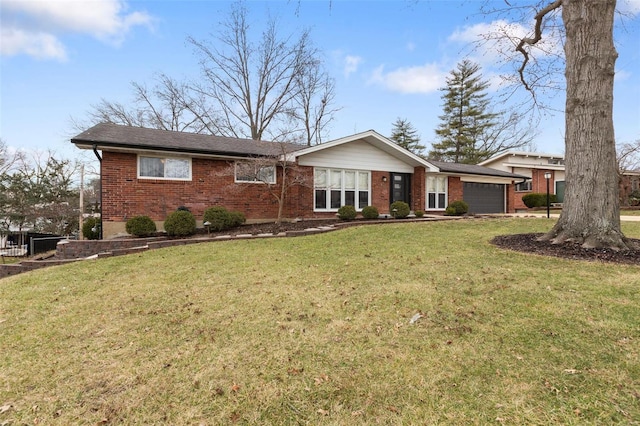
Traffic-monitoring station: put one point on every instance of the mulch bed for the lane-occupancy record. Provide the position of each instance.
(529, 243)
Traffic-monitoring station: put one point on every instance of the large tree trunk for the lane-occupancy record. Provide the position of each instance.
(591, 211)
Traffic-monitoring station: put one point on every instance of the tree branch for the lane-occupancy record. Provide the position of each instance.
(536, 38)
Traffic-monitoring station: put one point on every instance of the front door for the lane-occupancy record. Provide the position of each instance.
(401, 187)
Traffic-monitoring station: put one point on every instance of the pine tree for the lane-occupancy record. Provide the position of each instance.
(466, 116)
(405, 135)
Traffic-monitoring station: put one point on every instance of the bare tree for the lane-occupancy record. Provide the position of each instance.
(259, 87)
(315, 108)
(274, 89)
(166, 106)
(277, 172)
(591, 211)
(507, 133)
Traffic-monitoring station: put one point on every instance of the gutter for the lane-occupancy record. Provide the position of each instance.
(95, 151)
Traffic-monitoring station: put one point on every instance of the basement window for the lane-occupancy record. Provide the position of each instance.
(170, 168)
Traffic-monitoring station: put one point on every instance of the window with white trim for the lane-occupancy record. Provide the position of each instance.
(172, 168)
(246, 171)
(523, 186)
(334, 188)
(436, 192)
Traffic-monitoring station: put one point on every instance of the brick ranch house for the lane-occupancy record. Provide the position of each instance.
(535, 165)
(153, 172)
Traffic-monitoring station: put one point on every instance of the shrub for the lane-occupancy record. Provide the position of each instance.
(180, 224)
(221, 219)
(237, 218)
(400, 209)
(457, 208)
(419, 213)
(347, 213)
(370, 212)
(538, 199)
(91, 228)
(140, 226)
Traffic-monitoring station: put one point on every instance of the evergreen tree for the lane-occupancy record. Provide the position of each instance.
(466, 117)
(405, 135)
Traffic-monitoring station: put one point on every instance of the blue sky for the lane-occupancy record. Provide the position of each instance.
(388, 59)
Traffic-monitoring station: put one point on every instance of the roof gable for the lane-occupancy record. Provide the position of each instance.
(378, 141)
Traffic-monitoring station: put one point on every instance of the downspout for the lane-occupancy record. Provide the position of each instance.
(95, 151)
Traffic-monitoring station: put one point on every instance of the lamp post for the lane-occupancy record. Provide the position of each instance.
(547, 176)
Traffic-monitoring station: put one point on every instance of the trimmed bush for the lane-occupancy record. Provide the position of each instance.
(347, 213)
(457, 208)
(237, 218)
(140, 226)
(220, 219)
(180, 224)
(88, 227)
(370, 212)
(538, 199)
(400, 209)
(419, 213)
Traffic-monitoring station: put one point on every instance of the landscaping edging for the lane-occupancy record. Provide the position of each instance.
(68, 251)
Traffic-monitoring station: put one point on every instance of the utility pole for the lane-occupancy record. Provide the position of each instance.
(81, 217)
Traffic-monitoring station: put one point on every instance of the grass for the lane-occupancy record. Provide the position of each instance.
(315, 330)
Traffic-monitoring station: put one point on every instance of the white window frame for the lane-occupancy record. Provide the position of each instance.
(528, 182)
(438, 191)
(328, 187)
(165, 159)
(257, 170)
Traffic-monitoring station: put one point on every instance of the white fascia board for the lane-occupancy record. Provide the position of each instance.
(524, 154)
(377, 140)
(488, 179)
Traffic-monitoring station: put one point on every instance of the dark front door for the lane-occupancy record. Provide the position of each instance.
(401, 187)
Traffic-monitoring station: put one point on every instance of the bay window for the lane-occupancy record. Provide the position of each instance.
(334, 188)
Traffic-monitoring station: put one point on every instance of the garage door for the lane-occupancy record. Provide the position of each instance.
(483, 197)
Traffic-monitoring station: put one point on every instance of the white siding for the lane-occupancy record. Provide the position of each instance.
(357, 155)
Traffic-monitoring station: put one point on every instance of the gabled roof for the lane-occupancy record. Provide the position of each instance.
(472, 169)
(114, 136)
(377, 140)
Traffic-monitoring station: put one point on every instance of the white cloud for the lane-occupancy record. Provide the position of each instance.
(34, 26)
(629, 7)
(427, 78)
(351, 64)
(497, 40)
(36, 44)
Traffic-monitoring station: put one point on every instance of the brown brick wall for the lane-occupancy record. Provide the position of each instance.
(418, 189)
(455, 189)
(380, 188)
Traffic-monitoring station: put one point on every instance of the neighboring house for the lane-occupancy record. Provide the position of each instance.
(153, 172)
(534, 166)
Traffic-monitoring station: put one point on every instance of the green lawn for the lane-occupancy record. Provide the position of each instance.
(316, 330)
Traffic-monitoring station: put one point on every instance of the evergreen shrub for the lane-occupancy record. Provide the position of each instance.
(538, 199)
(400, 209)
(347, 213)
(457, 208)
(140, 226)
(370, 212)
(180, 223)
(88, 227)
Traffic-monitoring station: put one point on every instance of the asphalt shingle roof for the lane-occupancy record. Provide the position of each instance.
(472, 169)
(118, 136)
